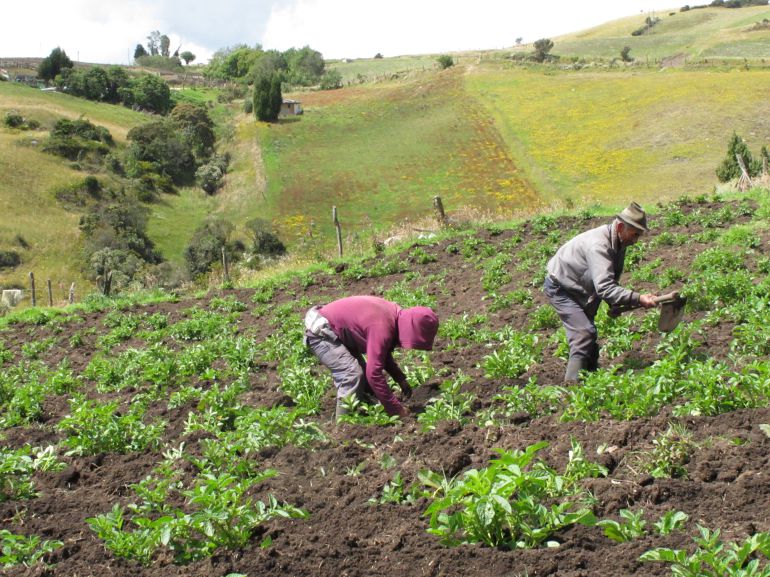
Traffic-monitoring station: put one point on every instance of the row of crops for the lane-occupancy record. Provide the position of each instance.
(207, 387)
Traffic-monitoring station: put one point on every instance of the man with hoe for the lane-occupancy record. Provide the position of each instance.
(343, 331)
(583, 273)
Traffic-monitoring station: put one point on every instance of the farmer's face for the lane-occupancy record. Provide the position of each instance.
(627, 234)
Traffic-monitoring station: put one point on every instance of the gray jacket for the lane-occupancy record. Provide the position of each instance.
(589, 267)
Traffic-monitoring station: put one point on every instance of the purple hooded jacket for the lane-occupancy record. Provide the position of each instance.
(373, 326)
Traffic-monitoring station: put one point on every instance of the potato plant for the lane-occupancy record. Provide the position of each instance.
(515, 502)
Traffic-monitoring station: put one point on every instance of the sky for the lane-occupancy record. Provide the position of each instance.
(107, 31)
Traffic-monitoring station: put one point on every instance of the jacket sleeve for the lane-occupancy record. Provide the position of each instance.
(378, 359)
(602, 272)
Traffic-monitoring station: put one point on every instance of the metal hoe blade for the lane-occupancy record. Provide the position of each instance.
(671, 311)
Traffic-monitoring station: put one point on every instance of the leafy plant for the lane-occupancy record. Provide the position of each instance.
(451, 405)
(17, 466)
(632, 528)
(514, 503)
(670, 453)
(518, 353)
(671, 521)
(24, 550)
(714, 558)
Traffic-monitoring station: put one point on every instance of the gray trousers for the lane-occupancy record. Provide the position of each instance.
(347, 371)
(578, 321)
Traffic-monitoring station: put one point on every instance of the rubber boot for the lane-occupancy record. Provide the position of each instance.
(574, 366)
(340, 410)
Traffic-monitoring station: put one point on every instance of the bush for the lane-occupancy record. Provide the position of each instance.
(542, 48)
(74, 139)
(331, 80)
(160, 147)
(445, 61)
(206, 244)
(729, 169)
(9, 259)
(13, 120)
(210, 175)
(264, 241)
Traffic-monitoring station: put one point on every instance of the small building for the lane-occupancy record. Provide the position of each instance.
(290, 108)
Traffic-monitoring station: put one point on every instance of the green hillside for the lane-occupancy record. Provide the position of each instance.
(30, 177)
(709, 33)
(490, 136)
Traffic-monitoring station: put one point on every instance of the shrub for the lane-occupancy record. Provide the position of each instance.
(729, 169)
(331, 80)
(542, 48)
(13, 120)
(206, 244)
(445, 61)
(209, 176)
(9, 259)
(264, 240)
(74, 139)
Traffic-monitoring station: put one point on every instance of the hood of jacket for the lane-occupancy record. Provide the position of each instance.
(417, 327)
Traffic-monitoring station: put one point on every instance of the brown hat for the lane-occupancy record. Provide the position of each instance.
(635, 216)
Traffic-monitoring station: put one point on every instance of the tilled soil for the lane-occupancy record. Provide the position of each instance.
(726, 485)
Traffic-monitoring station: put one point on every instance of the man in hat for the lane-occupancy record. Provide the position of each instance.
(583, 273)
(343, 331)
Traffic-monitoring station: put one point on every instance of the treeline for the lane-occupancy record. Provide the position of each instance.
(295, 66)
(112, 84)
(117, 253)
(726, 4)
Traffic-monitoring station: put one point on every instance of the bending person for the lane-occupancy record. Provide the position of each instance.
(342, 332)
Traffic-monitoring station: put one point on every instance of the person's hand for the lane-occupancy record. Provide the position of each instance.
(648, 301)
(403, 412)
(406, 390)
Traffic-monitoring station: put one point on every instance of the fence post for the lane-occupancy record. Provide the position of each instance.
(50, 294)
(438, 206)
(32, 288)
(339, 231)
(72, 293)
(224, 265)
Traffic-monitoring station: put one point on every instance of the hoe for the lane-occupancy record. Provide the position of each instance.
(671, 310)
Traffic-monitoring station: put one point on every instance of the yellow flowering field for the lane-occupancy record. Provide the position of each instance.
(604, 136)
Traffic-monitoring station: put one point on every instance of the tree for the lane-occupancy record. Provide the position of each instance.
(264, 240)
(519, 40)
(206, 244)
(306, 66)
(165, 45)
(139, 51)
(53, 64)
(625, 54)
(153, 42)
(150, 92)
(445, 61)
(267, 97)
(187, 56)
(729, 168)
(196, 127)
(542, 48)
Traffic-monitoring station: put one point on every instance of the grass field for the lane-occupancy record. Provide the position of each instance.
(608, 137)
(700, 34)
(30, 177)
(486, 134)
(381, 153)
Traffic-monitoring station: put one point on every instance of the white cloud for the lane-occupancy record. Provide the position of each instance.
(346, 28)
(107, 31)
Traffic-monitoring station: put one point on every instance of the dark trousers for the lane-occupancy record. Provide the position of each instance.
(578, 321)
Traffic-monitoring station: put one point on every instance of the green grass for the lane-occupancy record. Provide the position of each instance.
(703, 33)
(380, 153)
(609, 137)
